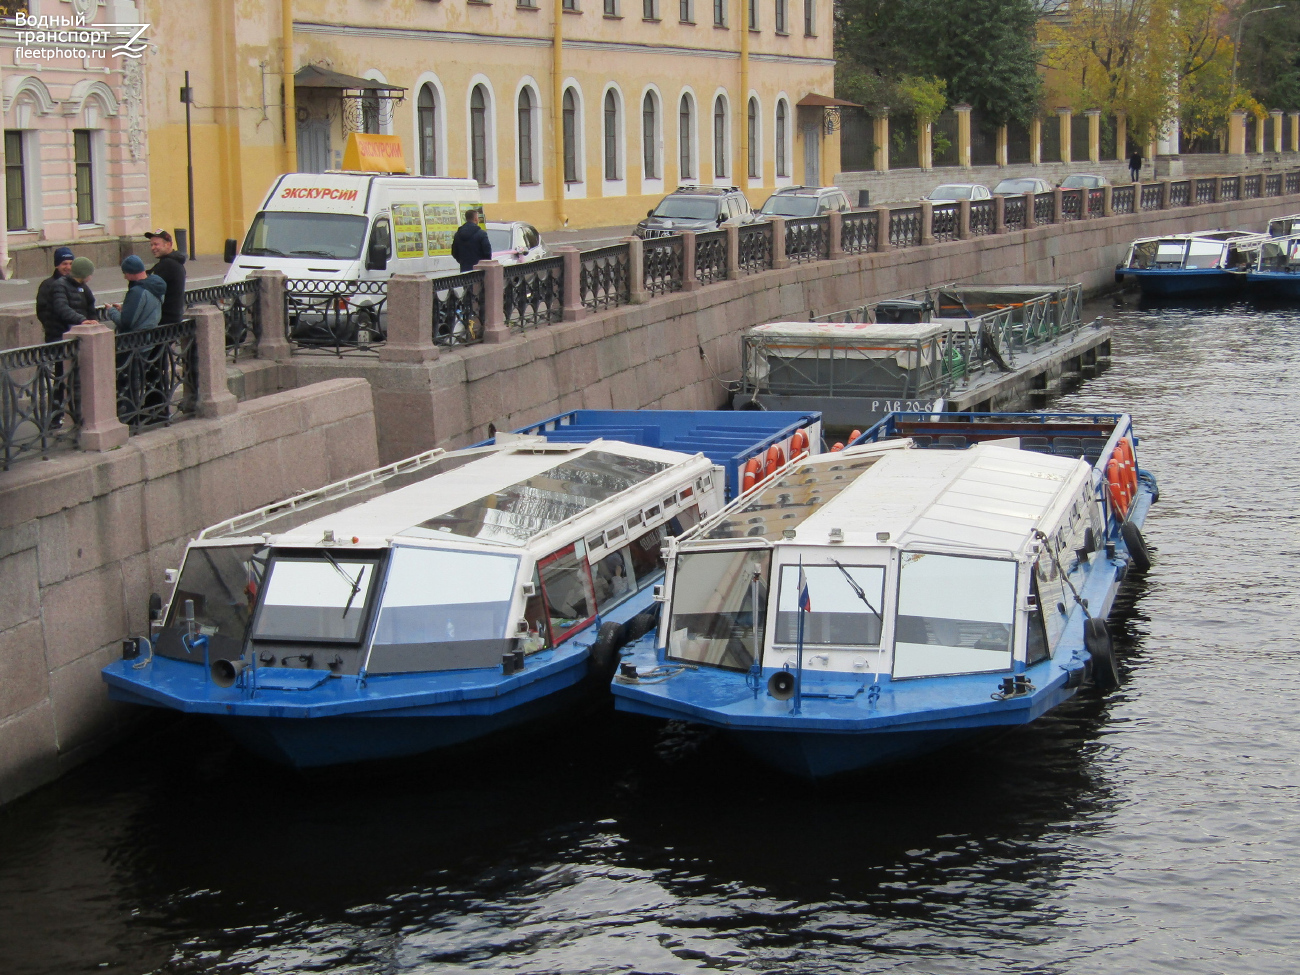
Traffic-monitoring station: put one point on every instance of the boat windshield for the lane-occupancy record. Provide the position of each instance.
(281, 233)
(838, 616)
(713, 613)
(955, 615)
(1204, 254)
(1169, 253)
(1280, 255)
(316, 598)
(222, 582)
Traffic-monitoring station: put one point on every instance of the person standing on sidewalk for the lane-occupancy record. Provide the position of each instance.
(1135, 164)
(471, 243)
(171, 268)
(71, 299)
(142, 306)
(52, 325)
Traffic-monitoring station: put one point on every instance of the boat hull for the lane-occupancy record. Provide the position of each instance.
(821, 756)
(1177, 283)
(1275, 285)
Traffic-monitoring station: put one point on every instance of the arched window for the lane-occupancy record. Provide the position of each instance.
(684, 126)
(427, 120)
(782, 166)
(719, 138)
(570, 110)
(611, 135)
(526, 136)
(649, 135)
(753, 138)
(478, 135)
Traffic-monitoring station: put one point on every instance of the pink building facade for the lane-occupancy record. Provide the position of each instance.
(75, 149)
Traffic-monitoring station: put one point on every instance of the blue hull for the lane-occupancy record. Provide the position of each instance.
(1271, 284)
(1169, 284)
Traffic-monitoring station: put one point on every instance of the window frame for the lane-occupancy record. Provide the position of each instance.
(686, 12)
(780, 18)
(809, 18)
(478, 136)
(20, 170)
(720, 13)
(686, 149)
(611, 111)
(721, 131)
(429, 139)
(584, 567)
(782, 136)
(526, 128)
(650, 165)
(754, 123)
(571, 119)
(84, 167)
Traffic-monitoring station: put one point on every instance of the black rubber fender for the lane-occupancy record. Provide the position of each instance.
(641, 624)
(604, 652)
(1096, 637)
(1136, 545)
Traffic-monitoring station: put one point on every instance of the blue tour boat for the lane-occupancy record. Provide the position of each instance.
(1210, 262)
(867, 606)
(1276, 273)
(449, 595)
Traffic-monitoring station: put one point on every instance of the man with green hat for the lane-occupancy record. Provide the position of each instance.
(71, 300)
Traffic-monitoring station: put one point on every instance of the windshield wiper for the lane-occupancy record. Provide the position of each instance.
(264, 252)
(355, 584)
(853, 584)
(328, 255)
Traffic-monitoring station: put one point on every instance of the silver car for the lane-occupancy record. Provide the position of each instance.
(1084, 181)
(1020, 185)
(515, 242)
(952, 192)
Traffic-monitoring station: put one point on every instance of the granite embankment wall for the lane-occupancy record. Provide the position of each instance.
(85, 537)
(671, 352)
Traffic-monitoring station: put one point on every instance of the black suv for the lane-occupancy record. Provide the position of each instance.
(696, 208)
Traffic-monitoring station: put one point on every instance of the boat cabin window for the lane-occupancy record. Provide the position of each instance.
(1169, 253)
(683, 521)
(443, 610)
(955, 615)
(1204, 254)
(223, 583)
(316, 599)
(567, 593)
(614, 579)
(838, 617)
(1036, 646)
(714, 615)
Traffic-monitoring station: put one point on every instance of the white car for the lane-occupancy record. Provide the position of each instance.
(952, 192)
(1084, 181)
(1020, 185)
(515, 242)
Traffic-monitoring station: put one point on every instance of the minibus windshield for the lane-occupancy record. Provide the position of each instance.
(279, 233)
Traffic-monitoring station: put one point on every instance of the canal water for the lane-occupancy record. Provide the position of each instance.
(1156, 829)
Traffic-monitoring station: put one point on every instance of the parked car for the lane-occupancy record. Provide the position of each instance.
(952, 192)
(805, 201)
(1084, 181)
(696, 208)
(1020, 185)
(515, 242)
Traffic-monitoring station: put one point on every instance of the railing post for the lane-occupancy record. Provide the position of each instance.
(778, 245)
(963, 219)
(573, 307)
(1217, 189)
(635, 271)
(689, 281)
(733, 252)
(1164, 194)
(494, 301)
(1000, 151)
(999, 214)
(1031, 220)
(927, 222)
(410, 320)
(272, 343)
(835, 227)
(97, 372)
(1107, 206)
(1058, 201)
(215, 397)
(882, 228)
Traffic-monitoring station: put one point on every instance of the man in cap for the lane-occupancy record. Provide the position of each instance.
(54, 327)
(171, 268)
(142, 307)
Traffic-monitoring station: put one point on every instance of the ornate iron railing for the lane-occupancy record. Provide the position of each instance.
(39, 399)
(1180, 193)
(1072, 204)
(1205, 191)
(945, 221)
(1150, 199)
(905, 227)
(459, 309)
(239, 307)
(1013, 212)
(604, 277)
(807, 239)
(335, 316)
(1123, 199)
(157, 375)
(662, 260)
(1096, 201)
(755, 248)
(1293, 182)
(1273, 184)
(1044, 208)
(858, 232)
(711, 256)
(1252, 186)
(534, 293)
(983, 219)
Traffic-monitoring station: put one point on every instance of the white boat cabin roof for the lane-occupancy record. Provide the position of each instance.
(506, 496)
(1226, 236)
(988, 497)
(856, 332)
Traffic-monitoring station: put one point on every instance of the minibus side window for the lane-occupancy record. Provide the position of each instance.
(381, 234)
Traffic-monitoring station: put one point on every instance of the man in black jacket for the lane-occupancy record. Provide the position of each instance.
(471, 243)
(54, 327)
(171, 268)
(71, 299)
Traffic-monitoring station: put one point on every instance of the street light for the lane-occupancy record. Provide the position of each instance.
(1237, 43)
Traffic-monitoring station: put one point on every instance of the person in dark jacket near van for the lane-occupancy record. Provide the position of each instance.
(52, 326)
(171, 268)
(142, 307)
(71, 300)
(471, 243)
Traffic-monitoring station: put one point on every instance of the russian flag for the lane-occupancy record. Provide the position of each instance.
(805, 601)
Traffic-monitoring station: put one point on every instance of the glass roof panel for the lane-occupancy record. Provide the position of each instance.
(516, 513)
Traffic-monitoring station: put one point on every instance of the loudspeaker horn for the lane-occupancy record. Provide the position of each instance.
(781, 685)
(226, 672)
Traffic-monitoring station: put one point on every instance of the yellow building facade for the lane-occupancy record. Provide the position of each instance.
(614, 102)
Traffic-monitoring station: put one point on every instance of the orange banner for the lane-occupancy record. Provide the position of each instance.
(373, 154)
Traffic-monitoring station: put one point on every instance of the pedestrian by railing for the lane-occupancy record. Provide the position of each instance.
(711, 256)
(157, 375)
(39, 406)
(239, 307)
(905, 227)
(534, 293)
(807, 239)
(663, 259)
(459, 309)
(605, 278)
(336, 317)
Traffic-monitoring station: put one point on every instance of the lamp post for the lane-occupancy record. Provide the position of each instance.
(1236, 45)
(187, 97)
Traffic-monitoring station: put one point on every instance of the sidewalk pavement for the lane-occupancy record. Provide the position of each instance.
(19, 294)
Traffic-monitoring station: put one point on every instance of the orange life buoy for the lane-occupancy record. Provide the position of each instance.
(1130, 468)
(798, 443)
(854, 435)
(1117, 482)
(838, 446)
(775, 458)
(753, 474)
